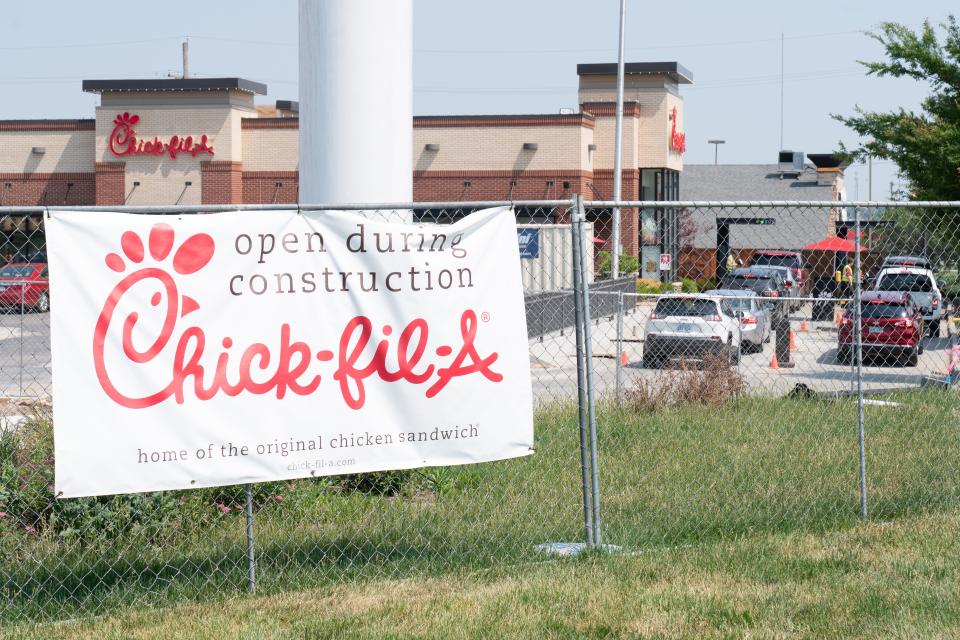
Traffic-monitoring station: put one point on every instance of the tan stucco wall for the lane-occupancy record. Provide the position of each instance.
(270, 149)
(67, 151)
(652, 138)
(486, 148)
(162, 179)
(605, 138)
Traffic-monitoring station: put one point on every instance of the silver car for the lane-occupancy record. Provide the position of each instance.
(754, 314)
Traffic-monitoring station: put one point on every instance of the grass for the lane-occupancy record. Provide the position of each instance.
(872, 580)
(681, 476)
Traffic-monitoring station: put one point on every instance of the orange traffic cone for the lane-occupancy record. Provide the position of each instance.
(773, 361)
(803, 327)
(793, 341)
(623, 358)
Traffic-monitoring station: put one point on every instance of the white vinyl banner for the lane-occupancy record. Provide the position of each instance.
(205, 350)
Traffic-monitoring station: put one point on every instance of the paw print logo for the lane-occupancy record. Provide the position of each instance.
(126, 119)
(190, 257)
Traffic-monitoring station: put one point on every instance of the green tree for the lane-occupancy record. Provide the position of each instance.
(925, 145)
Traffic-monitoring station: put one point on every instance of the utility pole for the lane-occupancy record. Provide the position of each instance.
(618, 153)
(781, 91)
(186, 58)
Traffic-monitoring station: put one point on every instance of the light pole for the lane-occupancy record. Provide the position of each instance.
(617, 153)
(716, 145)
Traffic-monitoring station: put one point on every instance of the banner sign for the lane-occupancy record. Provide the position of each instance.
(529, 241)
(204, 350)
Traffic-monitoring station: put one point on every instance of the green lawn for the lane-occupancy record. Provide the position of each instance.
(872, 580)
(691, 475)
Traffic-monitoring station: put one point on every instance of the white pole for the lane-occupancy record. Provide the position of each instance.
(356, 101)
(618, 152)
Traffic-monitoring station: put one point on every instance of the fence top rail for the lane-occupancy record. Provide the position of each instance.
(481, 204)
(719, 204)
(220, 208)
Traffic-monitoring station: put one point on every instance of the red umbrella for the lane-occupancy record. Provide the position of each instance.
(834, 244)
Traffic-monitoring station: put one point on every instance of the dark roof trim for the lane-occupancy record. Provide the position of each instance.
(48, 125)
(288, 105)
(828, 161)
(677, 72)
(175, 84)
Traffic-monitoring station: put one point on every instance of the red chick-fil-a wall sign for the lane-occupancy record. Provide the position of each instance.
(678, 139)
(124, 141)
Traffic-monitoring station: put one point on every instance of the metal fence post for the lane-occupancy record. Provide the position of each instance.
(619, 351)
(579, 322)
(588, 358)
(20, 342)
(251, 558)
(858, 337)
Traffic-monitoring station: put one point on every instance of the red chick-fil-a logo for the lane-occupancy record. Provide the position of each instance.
(260, 370)
(123, 141)
(678, 140)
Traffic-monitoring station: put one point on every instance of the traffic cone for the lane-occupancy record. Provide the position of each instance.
(773, 361)
(623, 358)
(793, 341)
(803, 327)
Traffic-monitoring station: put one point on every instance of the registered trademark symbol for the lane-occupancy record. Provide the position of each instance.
(485, 316)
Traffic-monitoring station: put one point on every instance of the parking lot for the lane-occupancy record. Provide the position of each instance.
(815, 360)
(25, 359)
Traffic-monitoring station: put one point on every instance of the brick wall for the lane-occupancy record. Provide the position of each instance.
(269, 187)
(221, 182)
(601, 188)
(111, 182)
(26, 189)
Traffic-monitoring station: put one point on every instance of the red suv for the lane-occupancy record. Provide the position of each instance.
(25, 286)
(792, 259)
(891, 326)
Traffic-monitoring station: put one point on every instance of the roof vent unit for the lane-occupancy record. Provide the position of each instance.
(790, 164)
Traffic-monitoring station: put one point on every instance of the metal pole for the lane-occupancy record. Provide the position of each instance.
(619, 354)
(581, 381)
(588, 358)
(618, 153)
(858, 336)
(251, 558)
(21, 340)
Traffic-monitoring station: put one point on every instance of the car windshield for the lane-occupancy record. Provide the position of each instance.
(915, 282)
(775, 261)
(685, 307)
(16, 271)
(737, 303)
(883, 310)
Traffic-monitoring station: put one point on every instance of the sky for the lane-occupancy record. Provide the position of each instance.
(505, 57)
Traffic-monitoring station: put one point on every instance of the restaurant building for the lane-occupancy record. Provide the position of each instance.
(194, 141)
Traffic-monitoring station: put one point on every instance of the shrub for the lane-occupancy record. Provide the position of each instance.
(628, 264)
(710, 382)
(706, 284)
(379, 483)
(645, 285)
(690, 285)
(28, 502)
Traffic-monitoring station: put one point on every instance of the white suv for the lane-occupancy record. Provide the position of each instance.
(921, 285)
(690, 326)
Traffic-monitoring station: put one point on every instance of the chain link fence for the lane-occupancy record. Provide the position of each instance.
(765, 370)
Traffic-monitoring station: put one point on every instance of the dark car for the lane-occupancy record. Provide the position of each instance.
(25, 286)
(767, 284)
(792, 259)
(891, 327)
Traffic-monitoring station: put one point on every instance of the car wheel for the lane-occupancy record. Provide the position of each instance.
(733, 353)
(935, 330)
(843, 355)
(43, 303)
(913, 357)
